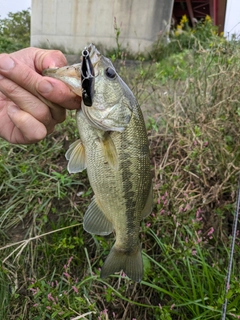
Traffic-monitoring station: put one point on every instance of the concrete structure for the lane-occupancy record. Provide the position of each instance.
(76, 23)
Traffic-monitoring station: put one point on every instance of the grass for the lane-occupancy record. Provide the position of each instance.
(50, 267)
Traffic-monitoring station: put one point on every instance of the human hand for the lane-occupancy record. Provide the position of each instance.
(24, 116)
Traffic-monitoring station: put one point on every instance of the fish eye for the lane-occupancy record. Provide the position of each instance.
(110, 73)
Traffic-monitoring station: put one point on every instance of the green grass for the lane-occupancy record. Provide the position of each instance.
(50, 267)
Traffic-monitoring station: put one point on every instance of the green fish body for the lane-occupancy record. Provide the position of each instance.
(113, 147)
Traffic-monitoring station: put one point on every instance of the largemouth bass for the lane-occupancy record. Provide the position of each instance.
(113, 147)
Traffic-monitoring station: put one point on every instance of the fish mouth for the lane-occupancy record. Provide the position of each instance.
(70, 75)
(76, 75)
(80, 78)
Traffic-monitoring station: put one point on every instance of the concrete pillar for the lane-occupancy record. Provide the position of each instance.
(76, 23)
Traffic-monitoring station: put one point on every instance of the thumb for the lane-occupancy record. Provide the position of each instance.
(49, 59)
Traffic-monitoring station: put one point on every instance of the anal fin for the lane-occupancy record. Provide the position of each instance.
(95, 221)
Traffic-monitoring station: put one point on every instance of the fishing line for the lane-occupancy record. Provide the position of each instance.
(229, 270)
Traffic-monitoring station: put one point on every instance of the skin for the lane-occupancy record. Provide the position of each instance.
(24, 117)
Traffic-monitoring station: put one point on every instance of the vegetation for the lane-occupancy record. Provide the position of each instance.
(50, 267)
(203, 36)
(15, 31)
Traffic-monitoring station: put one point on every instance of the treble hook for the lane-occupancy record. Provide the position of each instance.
(87, 79)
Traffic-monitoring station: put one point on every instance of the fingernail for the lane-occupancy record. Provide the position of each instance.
(44, 86)
(6, 63)
(12, 109)
(1, 77)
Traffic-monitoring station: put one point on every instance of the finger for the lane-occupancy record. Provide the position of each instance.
(26, 101)
(40, 59)
(52, 89)
(27, 129)
(49, 59)
(58, 113)
(56, 91)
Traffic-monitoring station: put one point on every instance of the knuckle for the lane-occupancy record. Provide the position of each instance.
(27, 77)
(11, 89)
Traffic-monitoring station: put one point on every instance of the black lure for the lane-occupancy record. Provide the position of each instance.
(87, 78)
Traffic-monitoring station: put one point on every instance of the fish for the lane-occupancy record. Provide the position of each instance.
(113, 147)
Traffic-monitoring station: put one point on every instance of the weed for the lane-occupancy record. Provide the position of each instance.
(50, 267)
(203, 36)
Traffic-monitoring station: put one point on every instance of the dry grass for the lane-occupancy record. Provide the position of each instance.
(197, 149)
(194, 136)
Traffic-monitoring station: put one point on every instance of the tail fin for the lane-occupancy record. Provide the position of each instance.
(131, 264)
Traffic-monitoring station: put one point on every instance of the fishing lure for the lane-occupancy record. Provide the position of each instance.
(87, 79)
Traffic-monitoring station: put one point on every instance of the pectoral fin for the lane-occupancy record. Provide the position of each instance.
(148, 206)
(109, 150)
(95, 222)
(76, 157)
